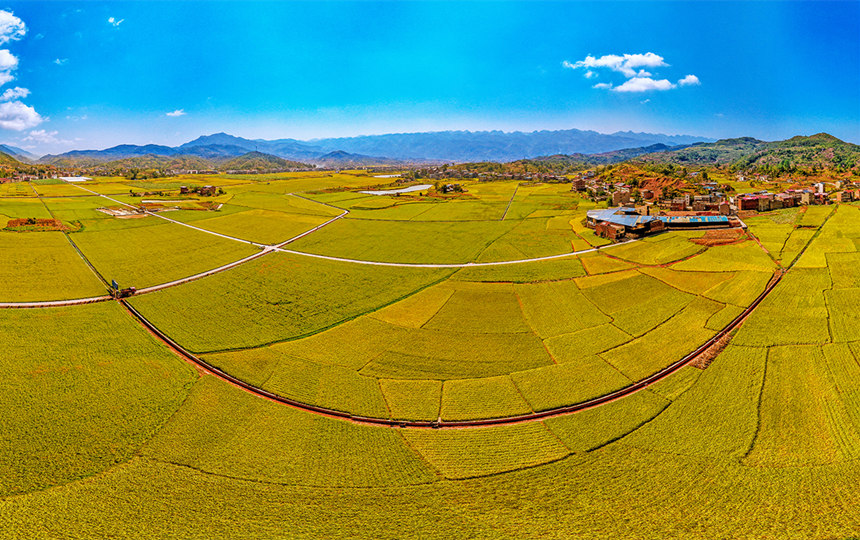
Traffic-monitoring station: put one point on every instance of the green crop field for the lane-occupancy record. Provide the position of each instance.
(275, 298)
(43, 266)
(162, 252)
(107, 433)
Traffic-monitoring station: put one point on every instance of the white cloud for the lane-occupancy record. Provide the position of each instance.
(630, 66)
(16, 116)
(643, 84)
(61, 61)
(114, 21)
(8, 61)
(14, 93)
(625, 64)
(5, 77)
(44, 137)
(644, 101)
(11, 27)
(177, 112)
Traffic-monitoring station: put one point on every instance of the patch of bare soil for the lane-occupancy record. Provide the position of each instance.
(719, 237)
(36, 224)
(709, 354)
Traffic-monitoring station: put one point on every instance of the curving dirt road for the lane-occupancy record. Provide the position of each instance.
(507, 420)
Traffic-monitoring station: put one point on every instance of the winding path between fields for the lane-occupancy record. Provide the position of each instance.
(442, 424)
(266, 249)
(508, 420)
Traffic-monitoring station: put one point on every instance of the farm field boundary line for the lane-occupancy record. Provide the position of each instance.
(265, 251)
(80, 301)
(278, 247)
(510, 202)
(506, 420)
(72, 242)
(54, 303)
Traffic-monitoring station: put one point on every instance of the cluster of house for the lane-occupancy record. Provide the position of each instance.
(206, 191)
(441, 173)
(626, 221)
(21, 177)
(764, 201)
(451, 188)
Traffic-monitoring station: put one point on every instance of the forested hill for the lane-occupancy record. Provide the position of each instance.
(258, 161)
(813, 153)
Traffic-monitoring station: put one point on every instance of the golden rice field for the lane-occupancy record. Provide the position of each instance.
(380, 315)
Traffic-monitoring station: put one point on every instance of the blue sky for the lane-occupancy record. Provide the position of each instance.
(95, 74)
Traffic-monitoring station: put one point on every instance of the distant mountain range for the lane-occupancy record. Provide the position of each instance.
(805, 155)
(17, 153)
(227, 152)
(392, 149)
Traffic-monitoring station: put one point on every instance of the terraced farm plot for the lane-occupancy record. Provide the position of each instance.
(277, 297)
(603, 263)
(844, 314)
(795, 313)
(81, 398)
(773, 235)
(263, 226)
(814, 216)
(61, 189)
(329, 386)
(16, 189)
(387, 210)
(670, 249)
(390, 351)
(403, 242)
(490, 397)
(464, 210)
(741, 289)
(416, 310)
(558, 307)
(843, 268)
(69, 209)
(689, 282)
(795, 244)
(529, 239)
(576, 380)
(663, 345)
(528, 272)
(23, 208)
(593, 428)
(222, 430)
(480, 308)
(569, 347)
(801, 424)
(144, 256)
(43, 266)
(743, 256)
(483, 451)
(290, 204)
(718, 416)
(412, 399)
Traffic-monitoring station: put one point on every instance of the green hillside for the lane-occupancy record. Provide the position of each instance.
(813, 153)
(7, 160)
(258, 161)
